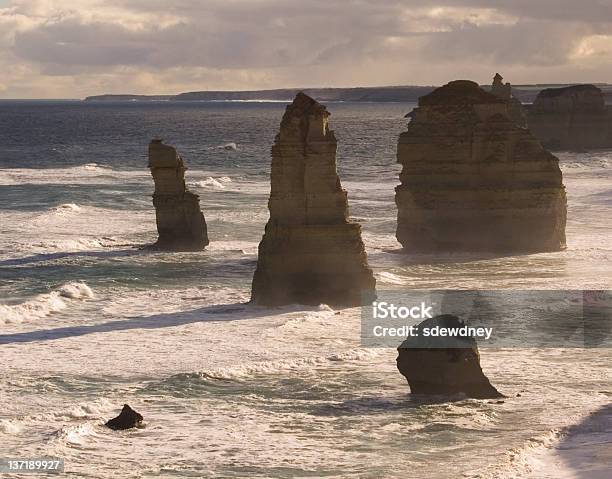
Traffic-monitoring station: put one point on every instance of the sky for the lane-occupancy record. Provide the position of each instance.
(76, 48)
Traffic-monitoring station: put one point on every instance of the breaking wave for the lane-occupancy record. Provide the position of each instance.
(81, 174)
(210, 182)
(66, 208)
(76, 435)
(45, 304)
(231, 146)
(390, 278)
(246, 371)
(10, 426)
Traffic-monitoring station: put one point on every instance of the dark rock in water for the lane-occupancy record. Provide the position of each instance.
(574, 117)
(444, 365)
(473, 180)
(311, 253)
(180, 222)
(127, 419)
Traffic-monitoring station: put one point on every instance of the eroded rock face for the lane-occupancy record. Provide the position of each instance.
(442, 365)
(310, 253)
(472, 180)
(503, 91)
(127, 419)
(572, 118)
(180, 223)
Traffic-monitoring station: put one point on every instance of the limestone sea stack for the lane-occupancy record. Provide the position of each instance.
(573, 118)
(310, 252)
(473, 180)
(444, 365)
(503, 91)
(180, 223)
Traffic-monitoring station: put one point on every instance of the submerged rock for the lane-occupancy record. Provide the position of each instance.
(180, 223)
(127, 419)
(504, 92)
(573, 117)
(310, 252)
(473, 180)
(443, 365)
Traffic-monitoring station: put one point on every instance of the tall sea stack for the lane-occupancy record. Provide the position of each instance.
(473, 180)
(180, 223)
(574, 118)
(310, 252)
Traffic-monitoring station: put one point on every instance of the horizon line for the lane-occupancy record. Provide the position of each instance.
(518, 85)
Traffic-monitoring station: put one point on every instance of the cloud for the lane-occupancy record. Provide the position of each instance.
(525, 43)
(52, 47)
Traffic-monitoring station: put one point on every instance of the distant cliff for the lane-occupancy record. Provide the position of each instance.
(374, 94)
(524, 93)
(129, 98)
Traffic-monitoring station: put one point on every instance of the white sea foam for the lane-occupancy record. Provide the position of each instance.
(66, 208)
(247, 370)
(59, 214)
(10, 426)
(229, 146)
(88, 410)
(75, 435)
(74, 244)
(45, 304)
(390, 278)
(94, 167)
(73, 228)
(76, 291)
(587, 161)
(245, 247)
(377, 241)
(210, 182)
(83, 174)
(519, 461)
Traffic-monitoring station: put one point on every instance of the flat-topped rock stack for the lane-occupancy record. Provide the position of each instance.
(503, 91)
(180, 223)
(573, 118)
(473, 180)
(310, 252)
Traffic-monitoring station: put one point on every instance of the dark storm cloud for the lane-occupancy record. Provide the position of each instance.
(596, 11)
(71, 42)
(528, 43)
(270, 33)
(251, 36)
(277, 42)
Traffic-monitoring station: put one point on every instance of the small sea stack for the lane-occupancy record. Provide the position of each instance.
(572, 118)
(310, 252)
(180, 222)
(503, 91)
(444, 365)
(472, 180)
(127, 419)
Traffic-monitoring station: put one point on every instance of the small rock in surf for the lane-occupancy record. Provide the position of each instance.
(127, 419)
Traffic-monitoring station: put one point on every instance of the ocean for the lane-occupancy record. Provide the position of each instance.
(89, 321)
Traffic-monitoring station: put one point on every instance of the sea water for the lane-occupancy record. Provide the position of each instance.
(89, 321)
